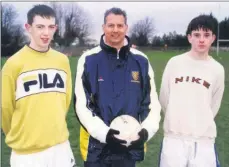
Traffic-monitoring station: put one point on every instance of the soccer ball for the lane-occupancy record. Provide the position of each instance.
(128, 127)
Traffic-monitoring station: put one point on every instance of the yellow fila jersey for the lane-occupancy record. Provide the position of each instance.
(36, 94)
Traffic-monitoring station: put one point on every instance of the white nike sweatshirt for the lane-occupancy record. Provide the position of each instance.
(190, 96)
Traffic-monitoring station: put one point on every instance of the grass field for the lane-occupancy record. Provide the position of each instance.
(158, 60)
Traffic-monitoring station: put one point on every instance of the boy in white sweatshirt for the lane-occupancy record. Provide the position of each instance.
(191, 92)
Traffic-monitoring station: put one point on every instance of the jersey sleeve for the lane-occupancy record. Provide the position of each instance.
(151, 122)
(68, 86)
(84, 105)
(218, 92)
(164, 90)
(8, 96)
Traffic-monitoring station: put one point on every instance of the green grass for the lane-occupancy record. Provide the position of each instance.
(158, 61)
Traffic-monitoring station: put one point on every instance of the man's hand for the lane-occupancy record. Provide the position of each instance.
(139, 143)
(114, 144)
(112, 140)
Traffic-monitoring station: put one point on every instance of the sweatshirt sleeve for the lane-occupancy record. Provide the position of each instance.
(84, 104)
(218, 92)
(151, 122)
(164, 90)
(8, 96)
(69, 86)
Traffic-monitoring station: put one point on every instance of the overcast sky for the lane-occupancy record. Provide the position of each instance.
(168, 16)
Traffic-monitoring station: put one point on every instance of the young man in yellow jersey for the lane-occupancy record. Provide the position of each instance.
(36, 93)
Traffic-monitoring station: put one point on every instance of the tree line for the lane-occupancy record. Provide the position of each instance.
(74, 25)
(142, 33)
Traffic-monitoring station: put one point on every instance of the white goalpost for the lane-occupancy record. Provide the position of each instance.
(219, 40)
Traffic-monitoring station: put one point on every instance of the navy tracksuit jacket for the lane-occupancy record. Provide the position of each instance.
(114, 84)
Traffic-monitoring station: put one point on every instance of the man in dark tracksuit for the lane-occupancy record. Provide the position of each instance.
(114, 79)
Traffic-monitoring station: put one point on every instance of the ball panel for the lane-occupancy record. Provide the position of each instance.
(128, 127)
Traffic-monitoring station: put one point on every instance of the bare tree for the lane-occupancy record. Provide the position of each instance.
(73, 23)
(57, 7)
(8, 15)
(142, 31)
(12, 34)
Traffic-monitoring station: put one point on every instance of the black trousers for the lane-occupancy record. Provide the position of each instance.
(115, 163)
